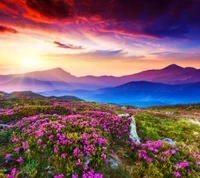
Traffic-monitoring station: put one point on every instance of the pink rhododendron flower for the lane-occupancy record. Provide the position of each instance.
(24, 145)
(165, 152)
(63, 156)
(177, 174)
(103, 156)
(85, 167)
(178, 166)
(16, 149)
(78, 162)
(132, 147)
(15, 140)
(59, 176)
(76, 151)
(56, 150)
(51, 137)
(20, 160)
(163, 159)
(173, 152)
(39, 142)
(92, 174)
(74, 176)
(27, 151)
(184, 164)
(7, 156)
(151, 148)
(13, 172)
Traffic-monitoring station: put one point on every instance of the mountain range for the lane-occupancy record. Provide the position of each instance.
(170, 85)
(140, 93)
(59, 79)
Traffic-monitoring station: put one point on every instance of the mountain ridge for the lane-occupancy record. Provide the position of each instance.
(139, 93)
(172, 74)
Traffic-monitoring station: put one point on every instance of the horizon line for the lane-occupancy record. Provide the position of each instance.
(92, 74)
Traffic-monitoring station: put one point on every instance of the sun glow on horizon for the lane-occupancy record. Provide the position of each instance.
(30, 62)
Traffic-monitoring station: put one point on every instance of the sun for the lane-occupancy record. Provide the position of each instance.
(30, 62)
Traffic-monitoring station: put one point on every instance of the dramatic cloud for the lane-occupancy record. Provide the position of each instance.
(4, 29)
(7, 10)
(98, 32)
(159, 18)
(43, 10)
(124, 28)
(137, 18)
(67, 46)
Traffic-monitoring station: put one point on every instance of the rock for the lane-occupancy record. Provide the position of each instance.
(2, 126)
(7, 172)
(114, 158)
(133, 131)
(124, 115)
(50, 172)
(113, 163)
(87, 161)
(11, 160)
(169, 141)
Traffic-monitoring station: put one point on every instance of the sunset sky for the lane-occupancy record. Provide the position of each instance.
(98, 37)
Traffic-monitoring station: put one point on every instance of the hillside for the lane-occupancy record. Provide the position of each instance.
(25, 94)
(83, 139)
(70, 98)
(34, 96)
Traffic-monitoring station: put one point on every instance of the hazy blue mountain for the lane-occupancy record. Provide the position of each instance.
(139, 93)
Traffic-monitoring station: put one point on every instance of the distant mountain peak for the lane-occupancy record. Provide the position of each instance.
(173, 67)
(59, 70)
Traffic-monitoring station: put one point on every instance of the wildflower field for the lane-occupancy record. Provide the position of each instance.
(57, 139)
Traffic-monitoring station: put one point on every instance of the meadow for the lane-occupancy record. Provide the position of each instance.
(48, 137)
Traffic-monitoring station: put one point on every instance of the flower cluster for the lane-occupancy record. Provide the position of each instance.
(81, 138)
(159, 154)
(78, 140)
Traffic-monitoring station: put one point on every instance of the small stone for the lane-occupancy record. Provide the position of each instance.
(7, 172)
(169, 141)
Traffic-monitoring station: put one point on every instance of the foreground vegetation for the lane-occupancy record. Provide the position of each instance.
(55, 138)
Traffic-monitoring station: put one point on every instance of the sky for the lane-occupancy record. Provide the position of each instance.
(98, 37)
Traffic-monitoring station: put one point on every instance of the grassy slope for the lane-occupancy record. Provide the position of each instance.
(152, 124)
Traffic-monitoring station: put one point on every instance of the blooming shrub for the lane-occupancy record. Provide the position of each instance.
(67, 143)
(160, 159)
(68, 139)
(26, 111)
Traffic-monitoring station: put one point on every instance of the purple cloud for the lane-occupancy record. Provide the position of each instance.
(67, 46)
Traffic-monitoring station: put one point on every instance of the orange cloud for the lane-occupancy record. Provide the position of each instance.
(4, 29)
